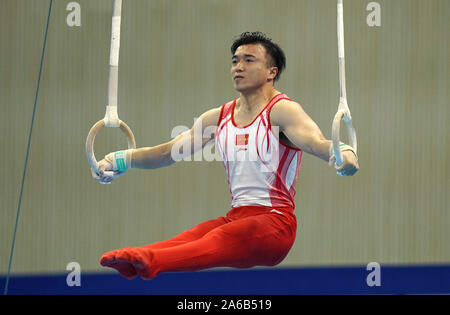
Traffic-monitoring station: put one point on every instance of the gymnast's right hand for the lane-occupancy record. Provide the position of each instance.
(114, 164)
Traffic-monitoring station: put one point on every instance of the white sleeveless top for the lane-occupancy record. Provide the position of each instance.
(261, 170)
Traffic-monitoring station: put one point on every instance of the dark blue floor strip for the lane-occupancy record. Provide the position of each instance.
(433, 279)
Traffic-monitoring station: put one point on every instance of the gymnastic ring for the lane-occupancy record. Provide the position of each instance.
(345, 115)
(91, 137)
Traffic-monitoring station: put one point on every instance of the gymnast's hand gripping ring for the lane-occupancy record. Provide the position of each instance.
(343, 113)
(91, 137)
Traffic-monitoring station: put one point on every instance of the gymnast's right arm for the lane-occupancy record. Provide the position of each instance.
(185, 144)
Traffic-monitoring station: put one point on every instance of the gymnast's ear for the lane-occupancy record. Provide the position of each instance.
(273, 71)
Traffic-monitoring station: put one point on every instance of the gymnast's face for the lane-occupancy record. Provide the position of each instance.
(252, 67)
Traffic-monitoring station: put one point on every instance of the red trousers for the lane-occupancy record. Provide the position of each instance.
(247, 236)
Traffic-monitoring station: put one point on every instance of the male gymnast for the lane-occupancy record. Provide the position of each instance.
(260, 137)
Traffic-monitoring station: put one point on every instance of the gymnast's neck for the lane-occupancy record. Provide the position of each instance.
(254, 100)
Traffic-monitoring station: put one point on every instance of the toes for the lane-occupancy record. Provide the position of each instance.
(108, 258)
(107, 261)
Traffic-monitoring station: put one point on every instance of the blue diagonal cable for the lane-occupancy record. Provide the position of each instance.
(28, 150)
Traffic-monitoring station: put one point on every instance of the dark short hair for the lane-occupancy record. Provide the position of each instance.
(272, 49)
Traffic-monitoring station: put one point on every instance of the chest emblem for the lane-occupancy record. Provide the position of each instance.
(242, 139)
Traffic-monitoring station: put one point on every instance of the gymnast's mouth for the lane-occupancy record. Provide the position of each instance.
(238, 77)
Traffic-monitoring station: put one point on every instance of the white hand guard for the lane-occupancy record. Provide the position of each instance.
(114, 164)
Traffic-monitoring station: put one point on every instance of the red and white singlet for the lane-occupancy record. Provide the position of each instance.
(261, 170)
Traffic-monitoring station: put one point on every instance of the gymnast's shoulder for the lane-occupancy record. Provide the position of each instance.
(285, 111)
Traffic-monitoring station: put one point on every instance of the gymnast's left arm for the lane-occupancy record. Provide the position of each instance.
(304, 133)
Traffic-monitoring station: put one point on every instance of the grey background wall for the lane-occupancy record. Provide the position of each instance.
(174, 65)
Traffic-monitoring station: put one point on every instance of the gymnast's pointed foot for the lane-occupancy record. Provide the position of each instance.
(129, 262)
(113, 260)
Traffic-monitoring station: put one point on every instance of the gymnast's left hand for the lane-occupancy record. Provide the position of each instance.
(107, 170)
